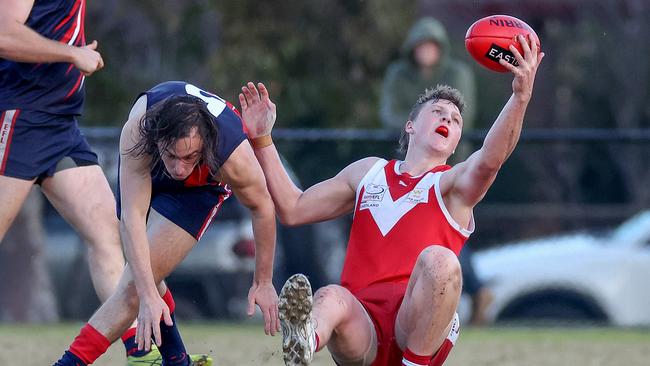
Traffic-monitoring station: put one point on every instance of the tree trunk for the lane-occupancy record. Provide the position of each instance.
(25, 287)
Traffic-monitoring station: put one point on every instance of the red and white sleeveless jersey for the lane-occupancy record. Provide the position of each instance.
(396, 216)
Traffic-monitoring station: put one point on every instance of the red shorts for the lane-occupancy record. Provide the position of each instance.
(382, 302)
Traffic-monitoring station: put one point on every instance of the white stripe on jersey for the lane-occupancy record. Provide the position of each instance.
(207, 222)
(77, 28)
(5, 131)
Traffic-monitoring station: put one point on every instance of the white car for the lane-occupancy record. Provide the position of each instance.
(584, 278)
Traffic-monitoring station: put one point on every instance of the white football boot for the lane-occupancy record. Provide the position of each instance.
(298, 335)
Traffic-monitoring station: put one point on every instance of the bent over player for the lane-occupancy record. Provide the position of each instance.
(182, 152)
(401, 280)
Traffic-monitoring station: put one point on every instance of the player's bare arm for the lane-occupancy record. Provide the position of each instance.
(467, 183)
(20, 43)
(135, 190)
(244, 175)
(326, 200)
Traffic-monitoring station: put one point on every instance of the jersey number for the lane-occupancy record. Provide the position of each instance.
(215, 104)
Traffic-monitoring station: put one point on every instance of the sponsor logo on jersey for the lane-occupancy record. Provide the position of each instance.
(418, 195)
(373, 194)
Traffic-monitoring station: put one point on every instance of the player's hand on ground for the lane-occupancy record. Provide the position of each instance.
(522, 85)
(152, 310)
(265, 296)
(258, 111)
(87, 59)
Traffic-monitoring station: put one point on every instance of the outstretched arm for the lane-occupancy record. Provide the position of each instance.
(244, 175)
(326, 200)
(20, 43)
(467, 183)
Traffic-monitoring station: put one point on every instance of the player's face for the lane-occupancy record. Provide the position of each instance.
(181, 158)
(438, 126)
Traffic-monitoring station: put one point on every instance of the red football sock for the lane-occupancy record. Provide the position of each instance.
(169, 300)
(411, 359)
(442, 353)
(128, 334)
(89, 344)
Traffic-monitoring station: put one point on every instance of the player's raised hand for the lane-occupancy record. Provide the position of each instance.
(258, 111)
(87, 59)
(265, 296)
(152, 310)
(522, 85)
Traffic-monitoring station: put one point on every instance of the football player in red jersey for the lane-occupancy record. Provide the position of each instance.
(401, 280)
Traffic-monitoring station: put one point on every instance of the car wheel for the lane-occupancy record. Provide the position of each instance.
(553, 306)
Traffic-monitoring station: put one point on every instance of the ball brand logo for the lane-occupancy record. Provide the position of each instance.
(507, 23)
(496, 53)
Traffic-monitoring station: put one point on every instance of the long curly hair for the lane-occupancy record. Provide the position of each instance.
(172, 119)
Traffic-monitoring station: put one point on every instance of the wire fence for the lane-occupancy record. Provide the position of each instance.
(557, 180)
(359, 134)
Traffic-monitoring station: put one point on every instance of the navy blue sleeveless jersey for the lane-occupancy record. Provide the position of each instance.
(192, 204)
(55, 88)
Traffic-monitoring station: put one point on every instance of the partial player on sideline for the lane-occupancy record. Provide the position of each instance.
(401, 280)
(44, 62)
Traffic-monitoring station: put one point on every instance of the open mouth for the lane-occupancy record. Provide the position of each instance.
(442, 131)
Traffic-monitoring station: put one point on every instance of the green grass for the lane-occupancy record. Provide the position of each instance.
(597, 334)
(246, 344)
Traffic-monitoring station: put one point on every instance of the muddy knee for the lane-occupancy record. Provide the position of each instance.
(440, 268)
(330, 293)
(336, 299)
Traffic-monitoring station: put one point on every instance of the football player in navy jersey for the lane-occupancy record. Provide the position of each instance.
(43, 60)
(183, 151)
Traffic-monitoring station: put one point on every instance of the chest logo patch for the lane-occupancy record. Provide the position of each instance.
(418, 195)
(372, 196)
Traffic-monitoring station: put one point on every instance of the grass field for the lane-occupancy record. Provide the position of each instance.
(247, 345)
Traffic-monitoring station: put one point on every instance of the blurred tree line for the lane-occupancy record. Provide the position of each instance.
(323, 62)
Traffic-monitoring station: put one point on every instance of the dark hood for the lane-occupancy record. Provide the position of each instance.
(426, 29)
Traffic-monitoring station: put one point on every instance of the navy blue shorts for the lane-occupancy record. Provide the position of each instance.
(32, 144)
(191, 208)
